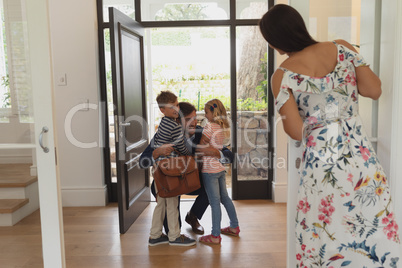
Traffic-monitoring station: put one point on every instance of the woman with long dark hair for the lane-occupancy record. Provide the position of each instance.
(344, 214)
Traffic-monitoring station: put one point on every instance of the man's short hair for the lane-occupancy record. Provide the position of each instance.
(186, 108)
(165, 97)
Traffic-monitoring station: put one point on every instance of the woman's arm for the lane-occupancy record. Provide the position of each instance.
(368, 83)
(292, 122)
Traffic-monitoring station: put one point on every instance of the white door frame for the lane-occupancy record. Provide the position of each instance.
(48, 179)
(396, 131)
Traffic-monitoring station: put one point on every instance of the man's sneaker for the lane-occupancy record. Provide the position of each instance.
(183, 241)
(163, 239)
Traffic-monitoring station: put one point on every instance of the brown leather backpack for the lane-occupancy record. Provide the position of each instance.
(176, 176)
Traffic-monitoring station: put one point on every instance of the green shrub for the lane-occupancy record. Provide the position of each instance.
(5, 82)
(262, 88)
(200, 88)
(171, 38)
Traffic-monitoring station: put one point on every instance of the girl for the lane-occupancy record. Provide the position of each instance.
(213, 173)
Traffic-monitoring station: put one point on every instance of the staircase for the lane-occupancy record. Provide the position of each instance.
(19, 195)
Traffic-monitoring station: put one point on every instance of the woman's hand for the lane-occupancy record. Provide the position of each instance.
(164, 150)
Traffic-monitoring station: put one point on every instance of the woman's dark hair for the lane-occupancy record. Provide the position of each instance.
(283, 28)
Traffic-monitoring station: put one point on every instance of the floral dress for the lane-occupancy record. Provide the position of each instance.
(344, 209)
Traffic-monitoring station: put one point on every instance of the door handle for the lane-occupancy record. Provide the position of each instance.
(44, 130)
(124, 124)
(298, 162)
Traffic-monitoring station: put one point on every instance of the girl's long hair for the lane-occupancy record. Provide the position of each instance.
(219, 115)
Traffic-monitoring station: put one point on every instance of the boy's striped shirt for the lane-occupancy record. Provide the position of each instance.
(170, 132)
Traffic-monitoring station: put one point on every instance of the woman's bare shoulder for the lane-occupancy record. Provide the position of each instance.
(316, 60)
(345, 44)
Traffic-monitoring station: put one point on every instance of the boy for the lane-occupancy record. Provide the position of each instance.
(168, 132)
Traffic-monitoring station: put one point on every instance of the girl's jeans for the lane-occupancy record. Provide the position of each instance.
(215, 186)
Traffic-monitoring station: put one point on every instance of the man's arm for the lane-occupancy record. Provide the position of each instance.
(147, 158)
(227, 156)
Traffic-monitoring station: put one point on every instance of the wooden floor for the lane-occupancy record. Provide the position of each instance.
(92, 239)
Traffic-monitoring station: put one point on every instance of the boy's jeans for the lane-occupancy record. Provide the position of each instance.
(215, 186)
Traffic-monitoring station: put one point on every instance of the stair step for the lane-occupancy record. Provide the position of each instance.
(19, 195)
(11, 205)
(16, 175)
(19, 182)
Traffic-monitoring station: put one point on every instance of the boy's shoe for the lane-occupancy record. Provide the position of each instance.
(163, 239)
(183, 241)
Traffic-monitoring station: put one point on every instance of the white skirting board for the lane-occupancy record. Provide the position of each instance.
(83, 197)
(279, 192)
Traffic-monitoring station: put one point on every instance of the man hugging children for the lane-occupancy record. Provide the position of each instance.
(168, 132)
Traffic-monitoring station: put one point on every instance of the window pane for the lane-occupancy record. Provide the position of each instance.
(109, 90)
(16, 76)
(5, 98)
(125, 6)
(16, 107)
(173, 11)
(249, 9)
(252, 115)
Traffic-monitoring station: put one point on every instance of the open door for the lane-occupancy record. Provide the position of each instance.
(131, 128)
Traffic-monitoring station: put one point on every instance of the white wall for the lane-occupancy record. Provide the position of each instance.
(73, 26)
(390, 114)
(386, 75)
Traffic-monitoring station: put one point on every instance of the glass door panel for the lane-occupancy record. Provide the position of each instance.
(193, 63)
(252, 113)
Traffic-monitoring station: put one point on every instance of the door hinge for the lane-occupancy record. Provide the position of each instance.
(55, 155)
